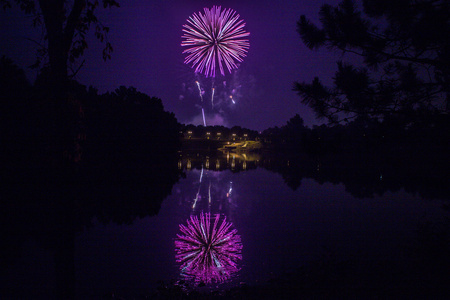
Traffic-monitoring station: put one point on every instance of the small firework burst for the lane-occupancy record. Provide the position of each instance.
(215, 38)
(208, 250)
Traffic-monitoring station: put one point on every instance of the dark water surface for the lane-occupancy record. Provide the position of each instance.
(282, 226)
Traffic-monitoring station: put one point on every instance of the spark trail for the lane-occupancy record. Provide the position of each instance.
(230, 190)
(201, 98)
(209, 193)
(199, 91)
(196, 198)
(204, 120)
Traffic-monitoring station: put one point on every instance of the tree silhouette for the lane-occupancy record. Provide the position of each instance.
(12, 78)
(406, 55)
(66, 25)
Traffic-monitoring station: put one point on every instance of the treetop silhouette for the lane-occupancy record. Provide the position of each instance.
(405, 50)
(65, 25)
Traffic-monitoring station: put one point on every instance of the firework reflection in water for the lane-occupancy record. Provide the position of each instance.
(208, 250)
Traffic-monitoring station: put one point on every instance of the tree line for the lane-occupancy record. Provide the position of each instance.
(120, 142)
(427, 135)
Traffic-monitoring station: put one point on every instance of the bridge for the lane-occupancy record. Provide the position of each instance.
(242, 146)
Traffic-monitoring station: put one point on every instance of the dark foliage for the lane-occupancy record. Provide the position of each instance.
(368, 156)
(65, 26)
(123, 165)
(123, 141)
(130, 153)
(405, 50)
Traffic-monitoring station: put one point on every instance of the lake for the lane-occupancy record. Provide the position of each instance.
(283, 215)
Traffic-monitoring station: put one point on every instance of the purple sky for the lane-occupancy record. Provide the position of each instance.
(146, 36)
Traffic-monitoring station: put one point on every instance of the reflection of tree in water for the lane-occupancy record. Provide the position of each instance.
(53, 213)
(368, 174)
(127, 169)
(208, 250)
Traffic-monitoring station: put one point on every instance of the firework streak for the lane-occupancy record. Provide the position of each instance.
(203, 114)
(207, 249)
(199, 90)
(214, 38)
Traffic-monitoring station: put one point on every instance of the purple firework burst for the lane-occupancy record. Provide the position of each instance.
(215, 38)
(207, 249)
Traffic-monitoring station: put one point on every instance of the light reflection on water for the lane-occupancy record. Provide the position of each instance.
(285, 218)
(208, 249)
(209, 252)
(288, 219)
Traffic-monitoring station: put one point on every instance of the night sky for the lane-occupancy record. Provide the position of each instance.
(146, 36)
